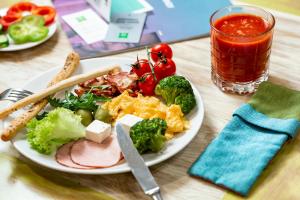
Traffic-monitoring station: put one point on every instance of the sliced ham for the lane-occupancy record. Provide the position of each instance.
(63, 157)
(91, 154)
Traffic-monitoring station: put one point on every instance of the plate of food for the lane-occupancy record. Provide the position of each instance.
(25, 25)
(160, 110)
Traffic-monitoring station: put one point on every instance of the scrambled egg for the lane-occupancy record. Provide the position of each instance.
(147, 107)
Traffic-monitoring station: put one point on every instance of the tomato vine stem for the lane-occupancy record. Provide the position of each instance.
(150, 63)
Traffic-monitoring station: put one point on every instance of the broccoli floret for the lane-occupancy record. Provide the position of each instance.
(171, 87)
(177, 90)
(148, 135)
(186, 102)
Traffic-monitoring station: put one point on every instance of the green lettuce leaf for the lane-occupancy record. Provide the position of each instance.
(58, 127)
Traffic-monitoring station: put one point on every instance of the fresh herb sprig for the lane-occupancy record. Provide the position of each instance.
(41, 116)
(71, 101)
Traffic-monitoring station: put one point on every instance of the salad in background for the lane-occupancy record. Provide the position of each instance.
(25, 22)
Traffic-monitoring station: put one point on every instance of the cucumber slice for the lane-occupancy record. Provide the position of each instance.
(4, 41)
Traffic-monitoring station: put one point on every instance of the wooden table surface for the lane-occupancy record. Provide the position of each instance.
(22, 177)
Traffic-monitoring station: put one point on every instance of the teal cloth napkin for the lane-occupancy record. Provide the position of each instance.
(237, 157)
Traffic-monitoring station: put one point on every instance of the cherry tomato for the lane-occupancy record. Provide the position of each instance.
(47, 12)
(21, 7)
(164, 68)
(147, 84)
(160, 51)
(140, 67)
(9, 19)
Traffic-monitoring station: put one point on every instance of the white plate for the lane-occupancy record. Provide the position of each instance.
(173, 146)
(16, 47)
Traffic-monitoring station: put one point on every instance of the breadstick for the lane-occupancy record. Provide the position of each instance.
(20, 122)
(54, 89)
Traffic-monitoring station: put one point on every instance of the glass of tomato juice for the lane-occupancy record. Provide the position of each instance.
(241, 40)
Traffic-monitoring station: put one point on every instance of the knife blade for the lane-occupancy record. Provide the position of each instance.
(137, 164)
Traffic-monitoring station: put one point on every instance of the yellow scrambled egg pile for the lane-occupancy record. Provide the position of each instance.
(147, 107)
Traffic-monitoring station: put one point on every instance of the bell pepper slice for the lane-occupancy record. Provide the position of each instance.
(19, 32)
(9, 19)
(32, 31)
(33, 20)
(21, 7)
(47, 12)
(38, 33)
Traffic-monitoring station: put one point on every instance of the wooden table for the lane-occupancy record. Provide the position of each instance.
(21, 178)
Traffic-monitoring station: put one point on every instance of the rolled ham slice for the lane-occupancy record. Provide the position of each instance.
(91, 154)
(63, 157)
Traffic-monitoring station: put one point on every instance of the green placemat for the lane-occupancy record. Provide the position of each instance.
(288, 6)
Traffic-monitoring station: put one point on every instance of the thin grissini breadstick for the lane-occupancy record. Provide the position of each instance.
(71, 64)
(54, 89)
(20, 122)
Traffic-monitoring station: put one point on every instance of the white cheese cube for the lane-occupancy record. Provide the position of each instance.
(128, 121)
(98, 131)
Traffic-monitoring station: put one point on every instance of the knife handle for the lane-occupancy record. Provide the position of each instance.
(157, 196)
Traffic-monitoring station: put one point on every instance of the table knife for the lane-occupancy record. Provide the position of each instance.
(137, 165)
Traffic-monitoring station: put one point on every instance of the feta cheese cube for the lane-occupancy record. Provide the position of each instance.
(128, 121)
(98, 131)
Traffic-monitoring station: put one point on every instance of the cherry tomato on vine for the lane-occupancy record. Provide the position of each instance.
(147, 84)
(164, 68)
(161, 51)
(140, 67)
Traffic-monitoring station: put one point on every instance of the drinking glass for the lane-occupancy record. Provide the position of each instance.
(241, 40)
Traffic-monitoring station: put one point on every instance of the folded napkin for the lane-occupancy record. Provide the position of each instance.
(251, 139)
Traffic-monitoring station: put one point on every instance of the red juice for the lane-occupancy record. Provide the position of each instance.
(240, 47)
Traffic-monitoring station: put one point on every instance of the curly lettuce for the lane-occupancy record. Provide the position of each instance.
(58, 127)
